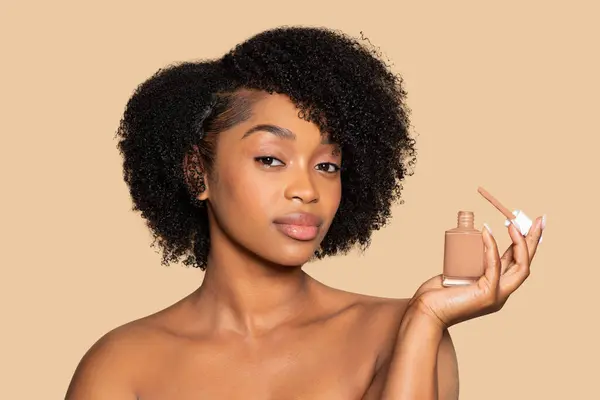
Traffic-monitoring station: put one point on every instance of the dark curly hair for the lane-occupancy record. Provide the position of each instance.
(337, 82)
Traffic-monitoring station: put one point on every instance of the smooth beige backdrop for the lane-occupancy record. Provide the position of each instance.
(504, 95)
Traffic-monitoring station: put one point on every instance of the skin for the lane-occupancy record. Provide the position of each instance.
(259, 326)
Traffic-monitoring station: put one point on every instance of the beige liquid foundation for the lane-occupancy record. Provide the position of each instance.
(464, 250)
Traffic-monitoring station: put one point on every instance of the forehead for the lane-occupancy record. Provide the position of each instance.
(277, 109)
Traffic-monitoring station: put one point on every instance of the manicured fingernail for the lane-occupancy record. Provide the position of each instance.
(544, 222)
(488, 228)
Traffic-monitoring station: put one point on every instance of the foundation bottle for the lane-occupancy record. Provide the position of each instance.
(463, 252)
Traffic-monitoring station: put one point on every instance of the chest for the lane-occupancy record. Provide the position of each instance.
(312, 367)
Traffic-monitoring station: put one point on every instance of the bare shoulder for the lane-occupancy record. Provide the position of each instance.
(112, 367)
(447, 363)
(381, 318)
(378, 312)
(376, 320)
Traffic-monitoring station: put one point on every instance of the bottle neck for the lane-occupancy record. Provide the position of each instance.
(466, 220)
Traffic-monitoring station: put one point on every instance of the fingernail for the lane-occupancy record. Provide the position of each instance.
(544, 222)
(488, 228)
(541, 238)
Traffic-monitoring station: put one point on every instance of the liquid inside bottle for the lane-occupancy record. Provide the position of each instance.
(463, 252)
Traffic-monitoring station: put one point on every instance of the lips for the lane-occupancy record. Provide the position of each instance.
(299, 226)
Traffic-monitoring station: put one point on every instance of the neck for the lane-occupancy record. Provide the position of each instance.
(249, 296)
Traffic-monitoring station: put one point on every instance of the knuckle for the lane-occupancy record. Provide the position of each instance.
(523, 267)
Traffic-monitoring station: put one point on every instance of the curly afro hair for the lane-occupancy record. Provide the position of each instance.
(337, 82)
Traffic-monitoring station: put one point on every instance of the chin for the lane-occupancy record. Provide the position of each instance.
(292, 256)
(293, 260)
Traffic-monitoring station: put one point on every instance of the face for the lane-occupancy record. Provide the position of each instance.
(275, 185)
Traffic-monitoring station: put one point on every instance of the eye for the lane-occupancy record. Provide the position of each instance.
(269, 161)
(329, 168)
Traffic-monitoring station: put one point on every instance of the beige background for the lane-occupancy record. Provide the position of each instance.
(504, 96)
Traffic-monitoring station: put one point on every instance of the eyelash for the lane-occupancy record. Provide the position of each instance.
(262, 160)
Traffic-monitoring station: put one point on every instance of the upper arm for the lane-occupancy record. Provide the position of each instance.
(102, 373)
(447, 369)
(447, 373)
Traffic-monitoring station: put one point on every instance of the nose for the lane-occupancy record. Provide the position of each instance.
(302, 188)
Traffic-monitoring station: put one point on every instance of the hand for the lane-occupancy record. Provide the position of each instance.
(448, 306)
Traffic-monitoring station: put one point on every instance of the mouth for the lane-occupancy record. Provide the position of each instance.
(299, 226)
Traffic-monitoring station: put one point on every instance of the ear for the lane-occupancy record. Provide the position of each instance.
(195, 175)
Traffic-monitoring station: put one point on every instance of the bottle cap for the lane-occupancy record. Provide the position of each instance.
(522, 221)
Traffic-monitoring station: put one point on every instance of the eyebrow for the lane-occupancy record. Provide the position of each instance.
(278, 131)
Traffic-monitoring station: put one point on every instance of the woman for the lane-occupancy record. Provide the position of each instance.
(292, 146)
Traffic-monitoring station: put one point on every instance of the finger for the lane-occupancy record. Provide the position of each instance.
(520, 270)
(533, 240)
(492, 258)
(533, 237)
(519, 246)
(506, 261)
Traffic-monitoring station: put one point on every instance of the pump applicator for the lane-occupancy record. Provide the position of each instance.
(518, 217)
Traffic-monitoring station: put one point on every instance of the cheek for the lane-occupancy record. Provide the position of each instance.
(245, 193)
(338, 191)
(334, 193)
(336, 197)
